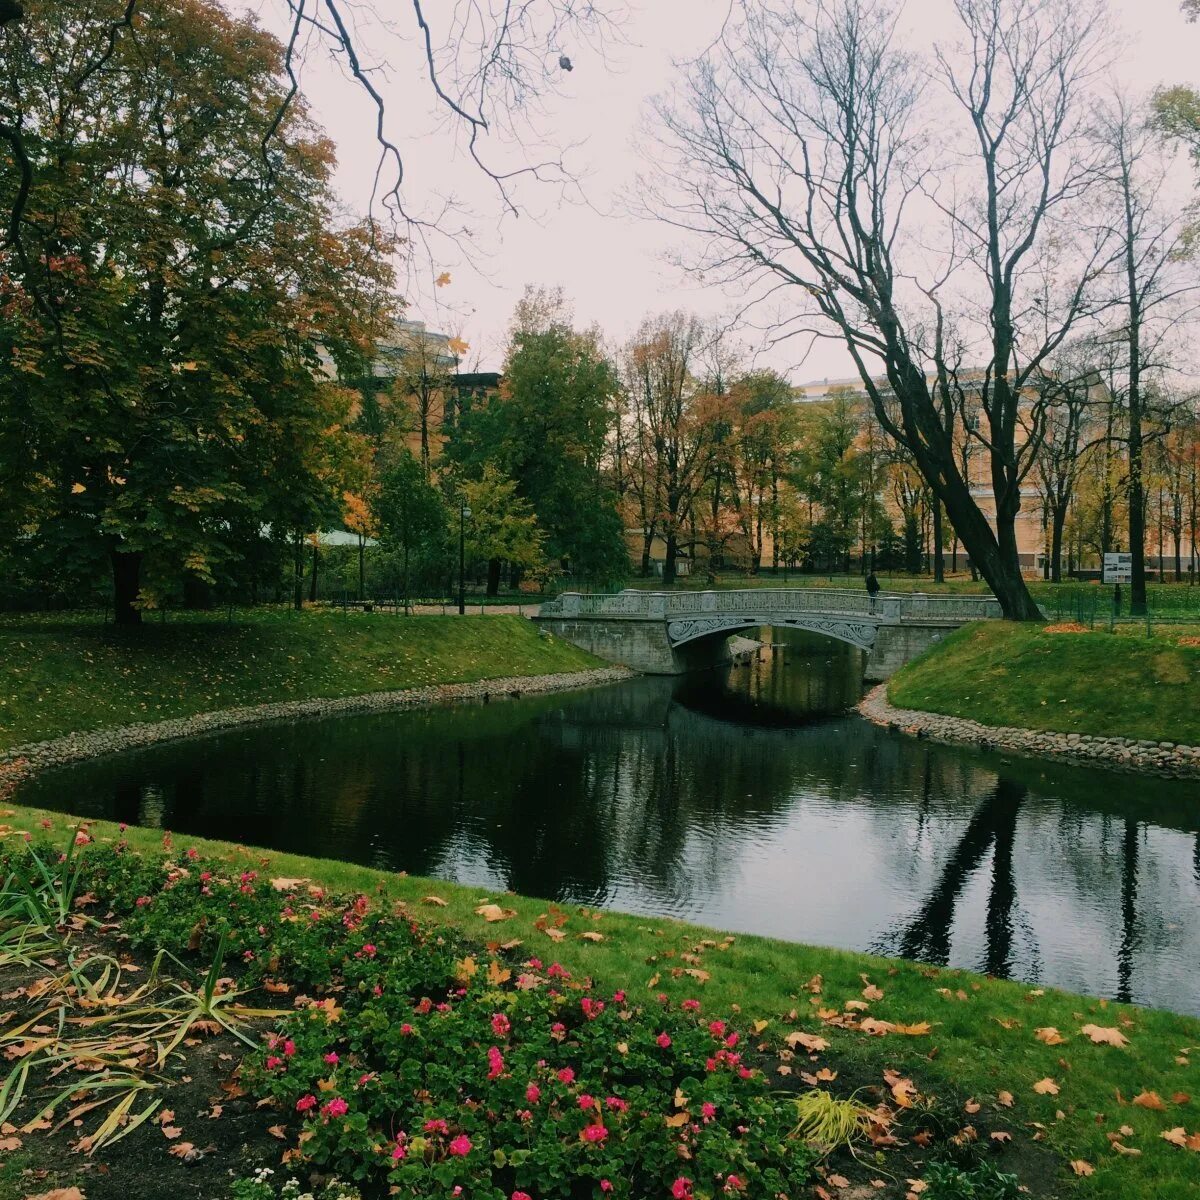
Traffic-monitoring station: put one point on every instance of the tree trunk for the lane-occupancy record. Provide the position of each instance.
(362, 548)
(493, 580)
(298, 573)
(672, 554)
(312, 583)
(939, 554)
(1058, 519)
(126, 571)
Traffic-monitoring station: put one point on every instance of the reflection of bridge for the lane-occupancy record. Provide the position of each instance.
(667, 633)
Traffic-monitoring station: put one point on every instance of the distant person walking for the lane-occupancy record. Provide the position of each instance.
(872, 588)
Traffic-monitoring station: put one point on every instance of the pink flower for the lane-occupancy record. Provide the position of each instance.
(399, 1153)
(716, 1028)
(193, 853)
(205, 876)
(734, 1183)
(708, 1110)
(690, 1006)
(663, 1040)
(331, 1058)
(533, 1093)
(586, 1101)
(500, 1024)
(558, 972)
(289, 1047)
(141, 901)
(337, 1107)
(273, 1062)
(495, 1063)
(593, 1133)
(591, 1008)
(305, 1103)
(369, 950)
(521, 1196)
(617, 1104)
(566, 1076)
(460, 1146)
(81, 838)
(605, 1185)
(122, 827)
(681, 1189)
(534, 964)
(732, 1040)
(558, 1027)
(366, 1078)
(618, 997)
(436, 1125)
(406, 1029)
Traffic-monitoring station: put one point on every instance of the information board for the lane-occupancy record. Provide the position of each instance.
(1118, 568)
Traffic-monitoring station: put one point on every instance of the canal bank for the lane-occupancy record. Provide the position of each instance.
(1141, 756)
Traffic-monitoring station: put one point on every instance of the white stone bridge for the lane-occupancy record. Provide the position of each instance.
(668, 633)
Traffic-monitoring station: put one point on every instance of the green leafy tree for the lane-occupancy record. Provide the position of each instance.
(411, 515)
(547, 430)
(503, 527)
(168, 296)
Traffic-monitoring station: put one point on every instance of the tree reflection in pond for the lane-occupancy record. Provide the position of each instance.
(741, 799)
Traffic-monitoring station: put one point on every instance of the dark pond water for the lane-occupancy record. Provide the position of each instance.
(743, 799)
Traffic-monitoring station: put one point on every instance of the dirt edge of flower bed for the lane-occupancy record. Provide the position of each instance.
(19, 763)
(1167, 759)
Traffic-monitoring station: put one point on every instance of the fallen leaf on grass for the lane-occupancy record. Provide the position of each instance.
(435, 901)
(171, 1132)
(871, 992)
(67, 1193)
(839, 1181)
(493, 912)
(277, 1131)
(590, 935)
(1082, 1168)
(1005, 1098)
(808, 1040)
(555, 935)
(1180, 1098)
(1104, 1037)
(1176, 1136)
(1000, 1135)
(284, 884)
(1128, 1151)
(1046, 1087)
(1150, 1100)
(1049, 1035)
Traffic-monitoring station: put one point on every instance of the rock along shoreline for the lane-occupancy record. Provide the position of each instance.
(1167, 759)
(19, 763)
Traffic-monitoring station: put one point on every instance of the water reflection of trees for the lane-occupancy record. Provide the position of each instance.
(651, 792)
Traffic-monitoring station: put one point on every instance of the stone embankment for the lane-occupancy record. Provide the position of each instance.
(1167, 759)
(20, 762)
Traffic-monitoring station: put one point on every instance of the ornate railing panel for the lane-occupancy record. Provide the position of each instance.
(886, 608)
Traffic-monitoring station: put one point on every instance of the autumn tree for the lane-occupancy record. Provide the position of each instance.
(674, 440)
(178, 274)
(807, 149)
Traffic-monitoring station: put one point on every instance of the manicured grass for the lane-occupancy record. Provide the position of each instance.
(64, 675)
(982, 1041)
(1093, 683)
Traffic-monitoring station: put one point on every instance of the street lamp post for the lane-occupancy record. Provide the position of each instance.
(463, 513)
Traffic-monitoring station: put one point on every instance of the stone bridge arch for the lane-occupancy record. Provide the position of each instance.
(860, 632)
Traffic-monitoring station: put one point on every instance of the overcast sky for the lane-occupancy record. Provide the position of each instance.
(612, 267)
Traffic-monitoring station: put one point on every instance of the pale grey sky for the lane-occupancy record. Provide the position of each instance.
(611, 266)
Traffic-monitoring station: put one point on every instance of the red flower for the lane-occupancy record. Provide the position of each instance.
(305, 1103)
(500, 1024)
(663, 1040)
(593, 1133)
(331, 1058)
(681, 1189)
(566, 1076)
(460, 1146)
(337, 1107)
(533, 1093)
(495, 1063)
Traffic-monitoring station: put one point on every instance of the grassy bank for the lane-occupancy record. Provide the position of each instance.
(1089, 683)
(985, 1043)
(60, 675)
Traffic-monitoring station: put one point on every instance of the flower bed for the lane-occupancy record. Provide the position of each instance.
(414, 1063)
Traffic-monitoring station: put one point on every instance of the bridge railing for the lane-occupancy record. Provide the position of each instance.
(886, 606)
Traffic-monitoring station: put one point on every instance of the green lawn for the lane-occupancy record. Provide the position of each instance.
(63, 675)
(1093, 683)
(982, 1041)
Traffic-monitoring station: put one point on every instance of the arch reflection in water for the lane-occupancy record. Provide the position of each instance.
(744, 799)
